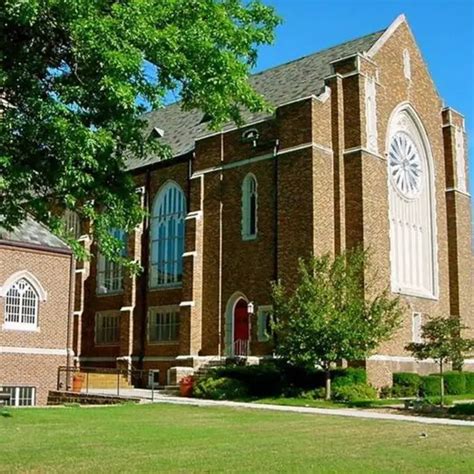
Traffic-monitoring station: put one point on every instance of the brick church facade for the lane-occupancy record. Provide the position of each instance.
(360, 150)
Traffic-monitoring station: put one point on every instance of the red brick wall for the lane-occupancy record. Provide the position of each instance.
(38, 370)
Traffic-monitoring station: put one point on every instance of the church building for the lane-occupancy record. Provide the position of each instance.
(360, 150)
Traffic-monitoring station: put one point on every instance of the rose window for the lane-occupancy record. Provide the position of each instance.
(405, 165)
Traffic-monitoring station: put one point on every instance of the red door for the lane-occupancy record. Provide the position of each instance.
(241, 328)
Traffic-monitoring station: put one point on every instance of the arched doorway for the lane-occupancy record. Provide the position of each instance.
(241, 328)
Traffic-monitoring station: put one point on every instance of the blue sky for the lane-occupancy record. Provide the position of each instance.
(443, 29)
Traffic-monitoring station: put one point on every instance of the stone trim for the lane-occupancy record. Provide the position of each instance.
(35, 351)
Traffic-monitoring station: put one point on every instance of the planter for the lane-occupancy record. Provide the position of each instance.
(77, 381)
(186, 386)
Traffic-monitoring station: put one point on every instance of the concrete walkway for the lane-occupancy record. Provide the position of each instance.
(349, 412)
(146, 396)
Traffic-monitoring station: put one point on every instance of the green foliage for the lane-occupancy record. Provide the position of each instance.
(354, 392)
(455, 383)
(430, 386)
(259, 380)
(334, 313)
(469, 382)
(77, 77)
(442, 341)
(462, 409)
(437, 401)
(406, 384)
(349, 376)
(386, 392)
(220, 388)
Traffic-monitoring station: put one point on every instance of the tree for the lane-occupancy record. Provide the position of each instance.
(443, 342)
(334, 313)
(76, 77)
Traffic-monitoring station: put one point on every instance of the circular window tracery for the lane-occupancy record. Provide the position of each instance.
(405, 165)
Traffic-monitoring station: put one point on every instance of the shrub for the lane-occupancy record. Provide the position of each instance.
(309, 377)
(406, 384)
(354, 393)
(259, 380)
(430, 386)
(350, 376)
(462, 409)
(220, 388)
(437, 401)
(455, 383)
(386, 392)
(469, 381)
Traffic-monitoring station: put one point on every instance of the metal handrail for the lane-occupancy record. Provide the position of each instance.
(66, 376)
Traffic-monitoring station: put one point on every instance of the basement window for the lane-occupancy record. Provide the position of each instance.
(20, 396)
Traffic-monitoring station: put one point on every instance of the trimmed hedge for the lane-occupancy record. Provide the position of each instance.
(455, 383)
(221, 388)
(260, 380)
(469, 381)
(349, 376)
(406, 384)
(430, 386)
(462, 409)
(270, 379)
(354, 392)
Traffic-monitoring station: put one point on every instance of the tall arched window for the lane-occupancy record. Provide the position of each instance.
(167, 236)
(411, 206)
(21, 305)
(249, 207)
(110, 273)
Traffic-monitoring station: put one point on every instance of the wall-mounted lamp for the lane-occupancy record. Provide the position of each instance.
(250, 308)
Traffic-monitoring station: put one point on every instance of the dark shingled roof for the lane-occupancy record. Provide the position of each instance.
(281, 84)
(33, 233)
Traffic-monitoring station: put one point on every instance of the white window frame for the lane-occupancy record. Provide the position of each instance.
(249, 189)
(100, 317)
(17, 397)
(263, 313)
(167, 234)
(163, 311)
(412, 220)
(109, 276)
(33, 310)
(416, 327)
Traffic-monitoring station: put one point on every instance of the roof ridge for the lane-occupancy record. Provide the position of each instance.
(324, 50)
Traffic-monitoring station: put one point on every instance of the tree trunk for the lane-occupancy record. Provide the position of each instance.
(441, 381)
(328, 384)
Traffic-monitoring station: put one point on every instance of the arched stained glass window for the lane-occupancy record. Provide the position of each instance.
(249, 207)
(167, 236)
(21, 305)
(110, 273)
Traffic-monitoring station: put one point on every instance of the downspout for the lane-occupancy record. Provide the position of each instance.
(145, 252)
(72, 281)
(221, 177)
(276, 204)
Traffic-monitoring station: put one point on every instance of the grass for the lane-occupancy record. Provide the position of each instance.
(170, 438)
(378, 403)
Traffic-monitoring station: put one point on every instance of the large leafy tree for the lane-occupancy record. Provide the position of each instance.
(76, 77)
(443, 341)
(334, 313)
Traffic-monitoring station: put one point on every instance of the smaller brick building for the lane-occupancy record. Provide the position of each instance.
(35, 300)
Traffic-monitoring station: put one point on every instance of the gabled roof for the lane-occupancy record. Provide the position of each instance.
(32, 233)
(279, 85)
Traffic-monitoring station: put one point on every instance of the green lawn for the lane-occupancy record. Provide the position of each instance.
(168, 438)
